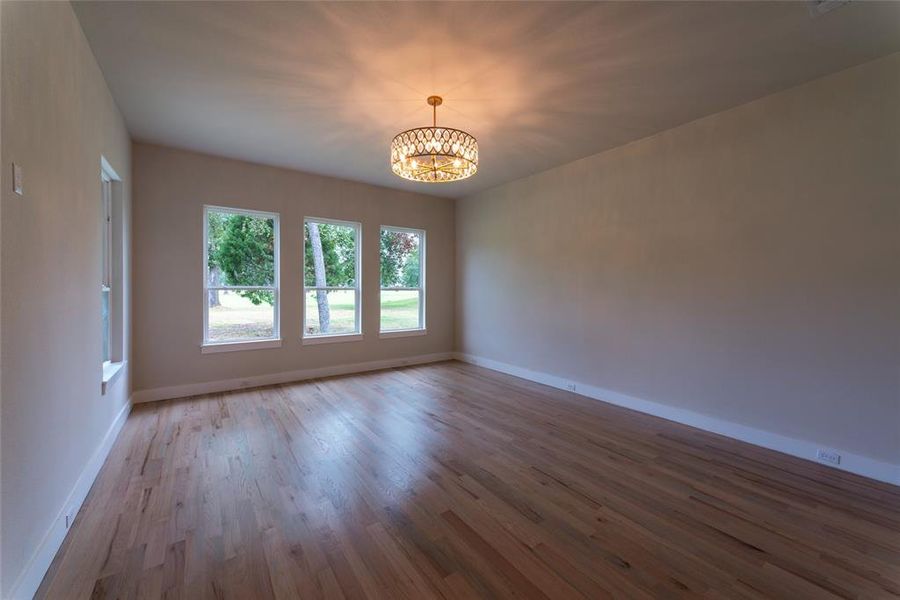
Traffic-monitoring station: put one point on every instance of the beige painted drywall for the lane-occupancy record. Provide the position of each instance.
(745, 266)
(170, 189)
(58, 118)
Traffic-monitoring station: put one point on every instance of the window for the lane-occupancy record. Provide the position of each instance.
(240, 292)
(402, 281)
(106, 245)
(331, 280)
(112, 272)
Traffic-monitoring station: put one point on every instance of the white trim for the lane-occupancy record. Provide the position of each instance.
(30, 579)
(275, 288)
(212, 387)
(111, 372)
(240, 288)
(107, 170)
(343, 222)
(331, 338)
(854, 463)
(264, 214)
(398, 333)
(215, 348)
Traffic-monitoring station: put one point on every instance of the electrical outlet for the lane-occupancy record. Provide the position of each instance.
(829, 456)
(70, 515)
(570, 387)
(17, 180)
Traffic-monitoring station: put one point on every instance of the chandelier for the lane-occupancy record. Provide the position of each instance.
(434, 154)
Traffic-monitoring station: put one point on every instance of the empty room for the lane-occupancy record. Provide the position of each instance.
(457, 300)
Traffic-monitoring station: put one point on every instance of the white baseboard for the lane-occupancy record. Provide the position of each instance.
(226, 385)
(854, 463)
(30, 579)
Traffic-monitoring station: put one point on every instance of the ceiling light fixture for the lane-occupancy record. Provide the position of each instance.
(434, 154)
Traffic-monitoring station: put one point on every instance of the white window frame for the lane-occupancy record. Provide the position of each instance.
(112, 238)
(421, 329)
(324, 338)
(106, 253)
(209, 347)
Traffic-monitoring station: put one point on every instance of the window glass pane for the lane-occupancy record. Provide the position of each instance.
(400, 309)
(329, 255)
(106, 241)
(241, 249)
(104, 311)
(240, 316)
(400, 251)
(330, 312)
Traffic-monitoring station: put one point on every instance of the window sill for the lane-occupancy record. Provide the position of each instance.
(239, 346)
(332, 339)
(111, 372)
(398, 333)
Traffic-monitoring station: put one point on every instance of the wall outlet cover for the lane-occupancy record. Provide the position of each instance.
(829, 456)
(17, 180)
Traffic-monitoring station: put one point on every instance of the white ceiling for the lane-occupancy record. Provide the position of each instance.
(323, 87)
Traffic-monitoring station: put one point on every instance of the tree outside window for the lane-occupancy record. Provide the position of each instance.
(402, 279)
(241, 288)
(330, 277)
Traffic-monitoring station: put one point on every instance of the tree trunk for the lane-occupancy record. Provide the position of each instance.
(215, 278)
(319, 268)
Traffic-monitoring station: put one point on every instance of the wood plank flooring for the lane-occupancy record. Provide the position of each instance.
(452, 481)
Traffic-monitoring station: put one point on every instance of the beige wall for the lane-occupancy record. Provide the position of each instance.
(58, 118)
(170, 189)
(744, 266)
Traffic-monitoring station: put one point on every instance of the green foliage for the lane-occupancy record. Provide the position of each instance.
(411, 270)
(399, 259)
(215, 225)
(338, 251)
(243, 248)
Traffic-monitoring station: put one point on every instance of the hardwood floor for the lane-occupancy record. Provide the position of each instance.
(452, 481)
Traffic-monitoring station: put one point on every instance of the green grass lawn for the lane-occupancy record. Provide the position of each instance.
(399, 310)
(236, 318)
(341, 312)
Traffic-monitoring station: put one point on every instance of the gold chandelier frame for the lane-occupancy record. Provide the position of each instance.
(434, 154)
